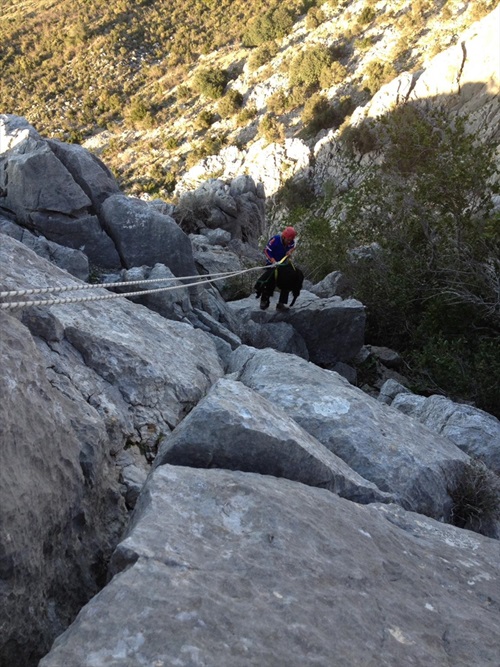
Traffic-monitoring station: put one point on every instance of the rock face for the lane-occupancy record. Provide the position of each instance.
(302, 544)
(78, 384)
(398, 455)
(473, 430)
(72, 261)
(236, 429)
(332, 329)
(55, 470)
(237, 207)
(464, 79)
(230, 568)
(142, 235)
(63, 212)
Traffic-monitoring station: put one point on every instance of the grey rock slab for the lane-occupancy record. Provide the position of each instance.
(160, 368)
(174, 304)
(83, 232)
(476, 432)
(91, 174)
(332, 329)
(235, 428)
(143, 235)
(390, 389)
(233, 569)
(334, 284)
(211, 325)
(277, 335)
(71, 260)
(25, 190)
(214, 259)
(394, 452)
(61, 513)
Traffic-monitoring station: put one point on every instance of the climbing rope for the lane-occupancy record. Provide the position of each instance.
(207, 278)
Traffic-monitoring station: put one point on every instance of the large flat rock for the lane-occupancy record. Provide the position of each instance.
(398, 454)
(233, 569)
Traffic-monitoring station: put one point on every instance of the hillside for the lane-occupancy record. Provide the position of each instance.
(129, 80)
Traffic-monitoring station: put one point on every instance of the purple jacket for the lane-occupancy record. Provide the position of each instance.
(276, 249)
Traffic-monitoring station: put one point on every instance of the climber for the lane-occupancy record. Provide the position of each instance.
(279, 247)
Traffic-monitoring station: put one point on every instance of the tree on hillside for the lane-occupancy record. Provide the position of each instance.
(430, 274)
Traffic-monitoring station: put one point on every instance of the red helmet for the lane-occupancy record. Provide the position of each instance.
(289, 233)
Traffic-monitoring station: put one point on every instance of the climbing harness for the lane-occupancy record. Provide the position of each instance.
(207, 278)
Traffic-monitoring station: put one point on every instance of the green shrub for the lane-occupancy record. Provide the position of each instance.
(299, 95)
(273, 24)
(204, 120)
(332, 75)
(183, 93)
(210, 82)
(247, 114)
(377, 73)
(360, 138)
(306, 68)
(364, 43)
(476, 499)
(271, 130)
(140, 113)
(277, 103)
(230, 103)
(314, 18)
(296, 193)
(431, 291)
(262, 55)
(211, 145)
(171, 143)
(318, 246)
(367, 15)
(318, 114)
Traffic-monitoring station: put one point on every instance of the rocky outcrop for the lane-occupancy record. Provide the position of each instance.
(142, 235)
(61, 509)
(235, 569)
(237, 207)
(72, 261)
(476, 432)
(464, 79)
(98, 390)
(79, 383)
(332, 329)
(63, 212)
(397, 454)
(235, 428)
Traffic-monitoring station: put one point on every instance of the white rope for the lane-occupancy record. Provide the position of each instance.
(72, 288)
(53, 302)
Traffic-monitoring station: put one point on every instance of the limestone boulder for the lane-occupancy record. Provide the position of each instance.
(397, 454)
(212, 259)
(173, 303)
(333, 329)
(334, 284)
(38, 186)
(61, 512)
(235, 428)
(81, 382)
(95, 179)
(280, 336)
(143, 235)
(476, 432)
(139, 368)
(72, 261)
(235, 569)
(236, 206)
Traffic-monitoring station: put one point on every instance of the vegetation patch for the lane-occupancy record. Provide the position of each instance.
(418, 240)
(476, 499)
